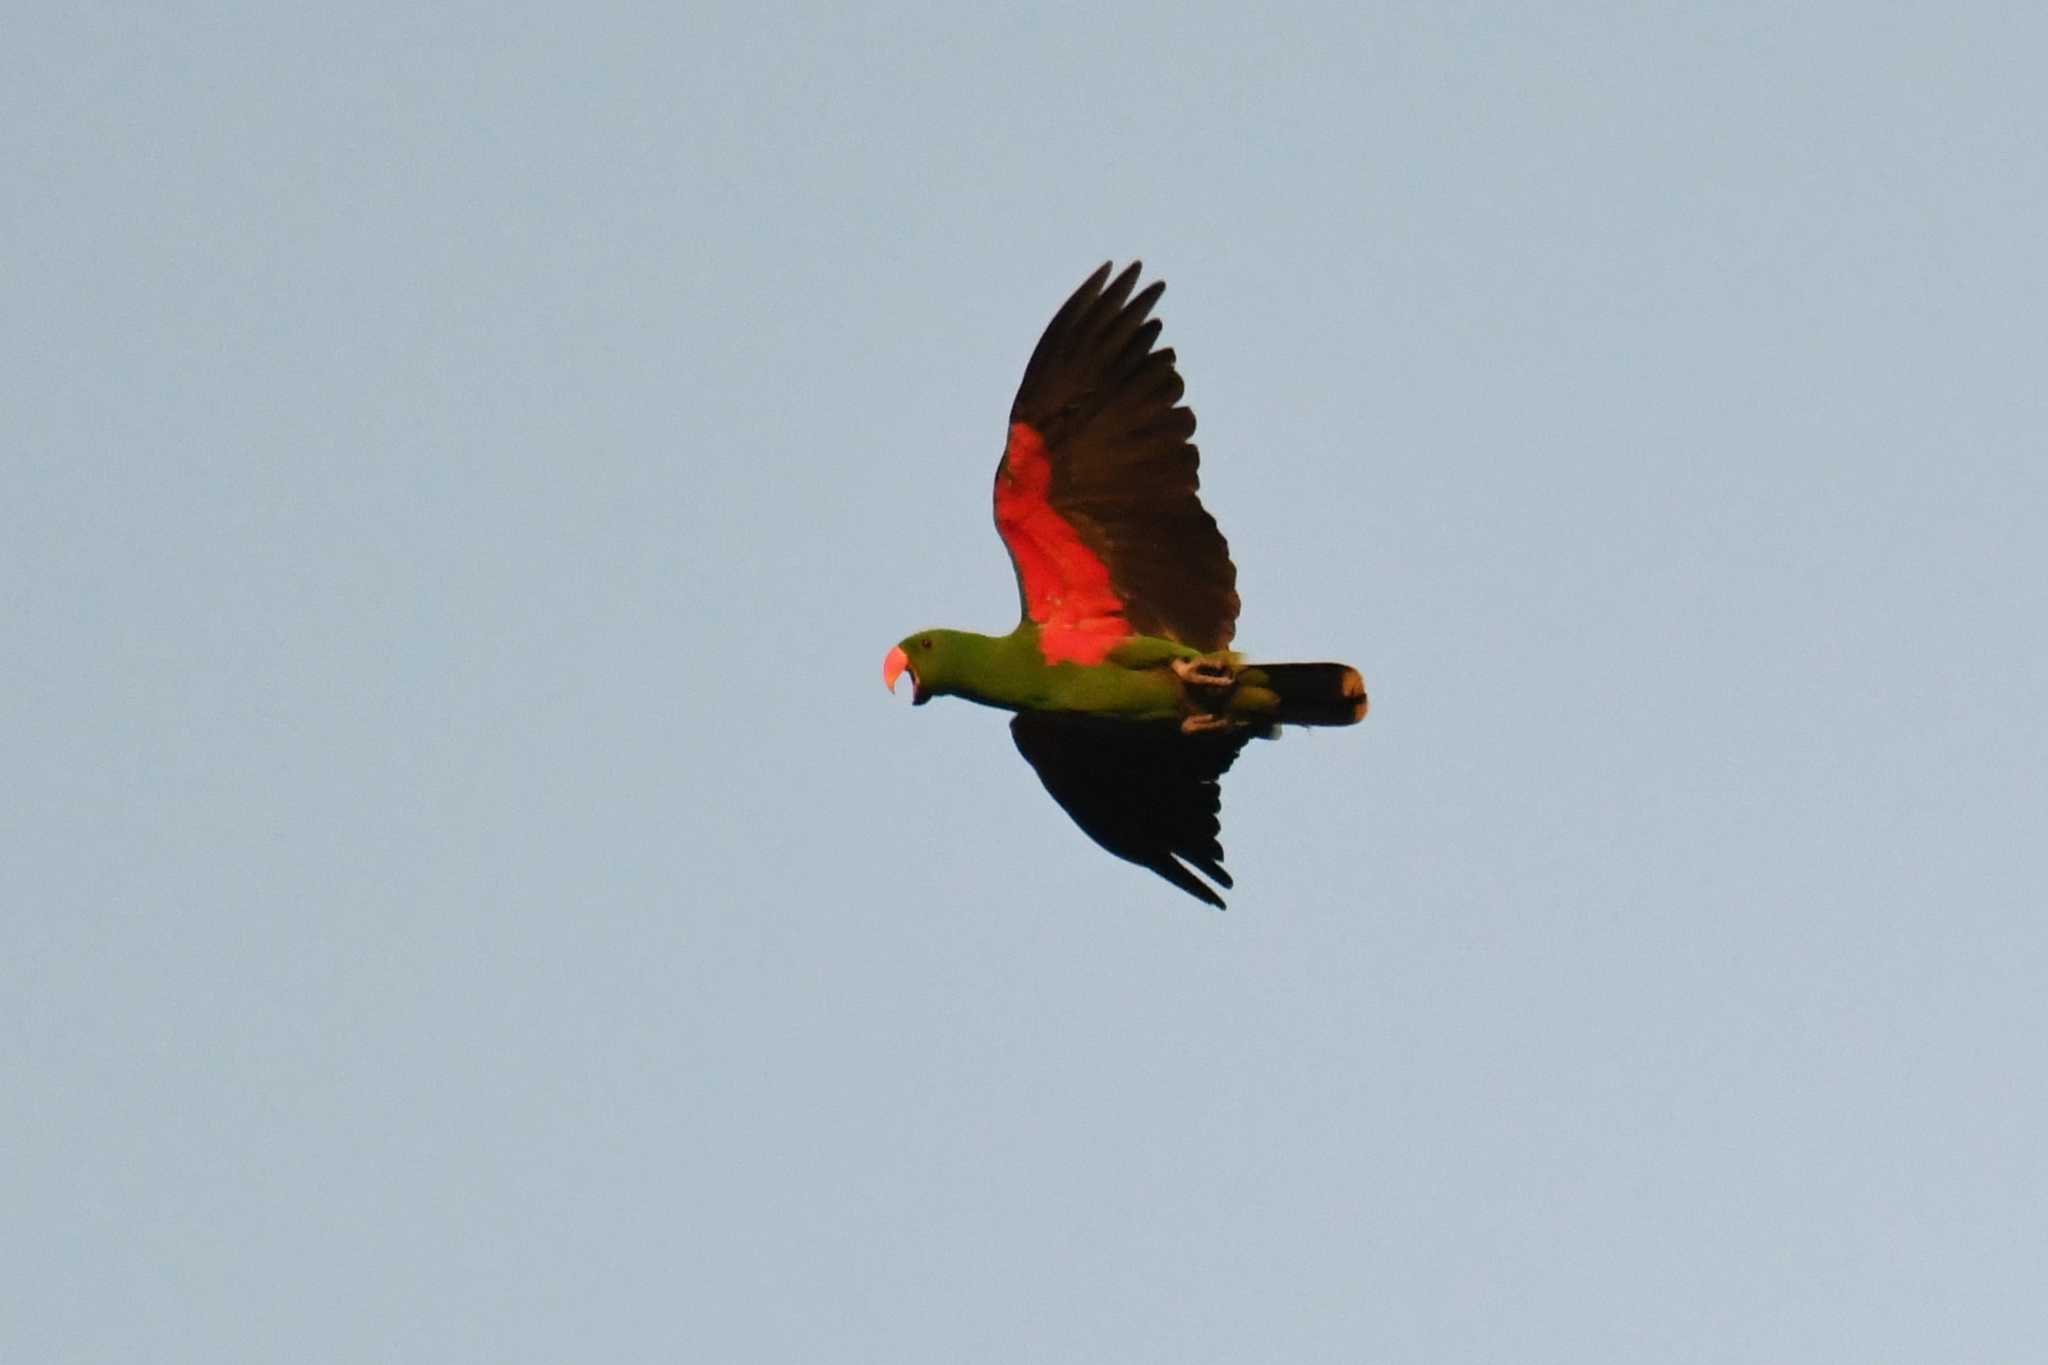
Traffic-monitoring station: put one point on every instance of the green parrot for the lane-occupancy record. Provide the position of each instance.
(1129, 702)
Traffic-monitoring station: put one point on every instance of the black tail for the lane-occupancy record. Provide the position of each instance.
(1313, 694)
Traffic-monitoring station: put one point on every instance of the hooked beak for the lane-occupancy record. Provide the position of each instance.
(892, 669)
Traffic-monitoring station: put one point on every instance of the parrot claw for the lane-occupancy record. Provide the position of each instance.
(1202, 723)
(1205, 672)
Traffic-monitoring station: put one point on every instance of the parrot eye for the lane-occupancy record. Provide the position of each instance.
(925, 643)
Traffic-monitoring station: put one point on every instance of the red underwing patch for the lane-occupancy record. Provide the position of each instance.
(1067, 590)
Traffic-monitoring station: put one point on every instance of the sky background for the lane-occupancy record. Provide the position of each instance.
(465, 895)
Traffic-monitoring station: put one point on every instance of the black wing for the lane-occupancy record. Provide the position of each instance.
(1144, 791)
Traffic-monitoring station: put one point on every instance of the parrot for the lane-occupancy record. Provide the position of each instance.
(1128, 701)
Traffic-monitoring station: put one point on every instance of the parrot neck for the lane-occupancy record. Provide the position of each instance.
(1006, 671)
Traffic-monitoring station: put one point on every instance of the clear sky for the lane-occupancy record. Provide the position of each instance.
(465, 895)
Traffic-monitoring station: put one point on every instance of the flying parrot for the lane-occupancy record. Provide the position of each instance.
(1129, 702)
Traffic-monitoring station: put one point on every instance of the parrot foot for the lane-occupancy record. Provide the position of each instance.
(1205, 672)
(1203, 723)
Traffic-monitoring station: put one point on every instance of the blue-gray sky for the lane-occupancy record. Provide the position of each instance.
(468, 898)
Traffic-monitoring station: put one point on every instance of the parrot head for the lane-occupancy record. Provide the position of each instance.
(930, 657)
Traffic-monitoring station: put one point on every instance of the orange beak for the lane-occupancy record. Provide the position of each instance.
(893, 666)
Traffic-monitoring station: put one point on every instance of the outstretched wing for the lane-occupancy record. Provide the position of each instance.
(1095, 495)
(1144, 791)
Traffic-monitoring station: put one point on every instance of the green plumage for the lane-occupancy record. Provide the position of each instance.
(1010, 672)
(1136, 682)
